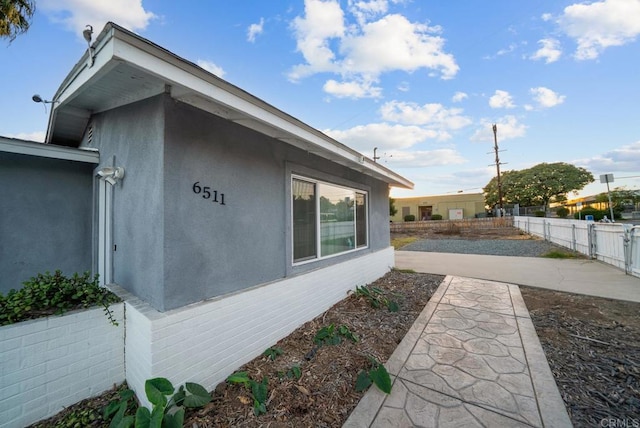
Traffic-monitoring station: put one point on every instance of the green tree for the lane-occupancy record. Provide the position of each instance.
(15, 17)
(507, 181)
(621, 197)
(538, 185)
(392, 207)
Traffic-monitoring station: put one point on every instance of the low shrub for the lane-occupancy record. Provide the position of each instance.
(539, 213)
(597, 214)
(436, 217)
(410, 217)
(562, 212)
(47, 294)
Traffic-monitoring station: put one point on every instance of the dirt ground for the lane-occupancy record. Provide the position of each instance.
(466, 233)
(592, 345)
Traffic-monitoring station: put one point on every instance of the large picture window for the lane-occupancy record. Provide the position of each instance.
(327, 219)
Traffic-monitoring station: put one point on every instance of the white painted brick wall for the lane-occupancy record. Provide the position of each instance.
(207, 341)
(51, 363)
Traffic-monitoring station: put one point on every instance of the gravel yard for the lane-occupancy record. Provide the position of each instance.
(497, 247)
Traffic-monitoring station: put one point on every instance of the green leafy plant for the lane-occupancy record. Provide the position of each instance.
(376, 298)
(410, 217)
(273, 353)
(329, 335)
(377, 374)
(259, 390)
(166, 413)
(293, 372)
(436, 217)
(47, 294)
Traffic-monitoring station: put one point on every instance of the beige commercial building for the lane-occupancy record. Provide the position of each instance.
(450, 207)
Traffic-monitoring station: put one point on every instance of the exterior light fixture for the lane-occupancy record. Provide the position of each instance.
(111, 174)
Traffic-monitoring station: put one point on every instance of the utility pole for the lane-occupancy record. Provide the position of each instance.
(495, 148)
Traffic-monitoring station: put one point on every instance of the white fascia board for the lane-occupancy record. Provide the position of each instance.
(48, 151)
(80, 76)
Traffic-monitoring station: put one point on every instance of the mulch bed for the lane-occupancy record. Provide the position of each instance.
(324, 395)
(593, 348)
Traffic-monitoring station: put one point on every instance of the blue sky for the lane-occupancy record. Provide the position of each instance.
(423, 81)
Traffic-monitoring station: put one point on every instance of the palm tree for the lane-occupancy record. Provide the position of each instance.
(15, 17)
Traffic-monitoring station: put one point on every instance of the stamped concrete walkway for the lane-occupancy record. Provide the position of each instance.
(471, 359)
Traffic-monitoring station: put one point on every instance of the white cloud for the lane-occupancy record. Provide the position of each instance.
(37, 136)
(352, 89)
(427, 114)
(549, 51)
(623, 159)
(367, 10)
(394, 43)
(425, 158)
(364, 49)
(211, 67)
(255, 30)
(546, 98)
(501, 99)
(323, 21)
(508, 128)
(382, 135)
(77, 14)
(459, 96)
(599, 25)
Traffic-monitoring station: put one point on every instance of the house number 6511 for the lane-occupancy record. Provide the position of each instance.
(207, 193)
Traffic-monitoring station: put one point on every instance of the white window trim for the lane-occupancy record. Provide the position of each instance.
(319, 256)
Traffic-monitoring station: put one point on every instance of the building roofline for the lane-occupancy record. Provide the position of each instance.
(34, 148)
(189, 83)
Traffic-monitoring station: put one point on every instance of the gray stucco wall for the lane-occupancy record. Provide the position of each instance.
(175, 247)
(45, 217)
(213, 249)
(132, 137)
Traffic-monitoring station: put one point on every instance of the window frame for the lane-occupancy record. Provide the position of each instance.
(318, 224)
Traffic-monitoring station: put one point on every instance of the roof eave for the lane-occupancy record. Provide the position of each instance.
(193, 85)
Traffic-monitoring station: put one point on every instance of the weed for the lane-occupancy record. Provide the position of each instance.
(273, 353)
(376, 298)
(398, 243)
(259, 391)
(294, 372)
(403, 270)
(555, 254)
(377, 374)
(330, 336)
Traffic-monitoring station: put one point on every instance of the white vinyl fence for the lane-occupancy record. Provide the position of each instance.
(617, 244)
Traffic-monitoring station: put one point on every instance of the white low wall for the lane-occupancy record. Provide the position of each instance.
(207, 341)
(50, 363)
